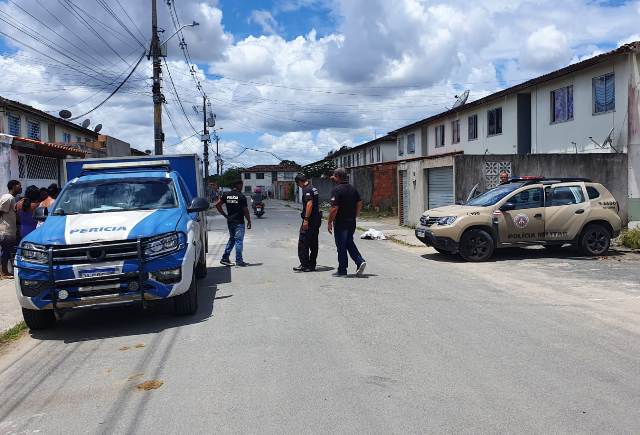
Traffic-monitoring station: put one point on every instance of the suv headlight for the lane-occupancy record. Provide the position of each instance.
(161, 245)
(423, 220)
(447, 220)
(33, 253)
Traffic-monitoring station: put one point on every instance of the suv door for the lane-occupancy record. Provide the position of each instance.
(525, 221)
(567, 209)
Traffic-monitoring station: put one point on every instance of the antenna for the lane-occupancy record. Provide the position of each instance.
(86, 123)
(98, 128)
(460, 100)
(608, 141)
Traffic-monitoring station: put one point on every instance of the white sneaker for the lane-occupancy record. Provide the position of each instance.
(361, 268)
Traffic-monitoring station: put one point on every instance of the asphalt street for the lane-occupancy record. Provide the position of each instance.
(533, 342)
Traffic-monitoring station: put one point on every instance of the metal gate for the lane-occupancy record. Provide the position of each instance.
(404, 198)
(38, 170)
(440, 187)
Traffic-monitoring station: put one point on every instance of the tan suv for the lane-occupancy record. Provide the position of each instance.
(525, 211)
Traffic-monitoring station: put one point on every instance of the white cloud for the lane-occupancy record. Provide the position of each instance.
(546, 49)
(265, 20)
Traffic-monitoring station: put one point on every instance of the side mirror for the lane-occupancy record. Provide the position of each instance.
(41, 214)
(508, 206)
(198, 204)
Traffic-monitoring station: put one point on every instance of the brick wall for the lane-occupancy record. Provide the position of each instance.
(385, 186)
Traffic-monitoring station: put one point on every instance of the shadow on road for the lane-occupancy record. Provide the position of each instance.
(95, 324)
(522, 253)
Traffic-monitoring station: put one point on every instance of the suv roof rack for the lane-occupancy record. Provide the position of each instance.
(547, 180)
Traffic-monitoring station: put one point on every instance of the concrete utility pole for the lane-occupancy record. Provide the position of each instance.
(218, 159)
(158, 98)
(205, 138)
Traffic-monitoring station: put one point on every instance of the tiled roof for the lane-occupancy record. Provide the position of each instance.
(627, 48)
(272, 168)
(55, 148)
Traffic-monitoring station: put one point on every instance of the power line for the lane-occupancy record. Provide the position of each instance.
(178, 96)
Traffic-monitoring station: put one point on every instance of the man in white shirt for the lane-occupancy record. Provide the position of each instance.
(8, 227)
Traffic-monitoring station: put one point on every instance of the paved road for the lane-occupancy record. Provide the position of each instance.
(421, 344)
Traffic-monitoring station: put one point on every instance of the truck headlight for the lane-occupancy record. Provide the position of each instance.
(161, 245)
(447, 220)
(33, 253)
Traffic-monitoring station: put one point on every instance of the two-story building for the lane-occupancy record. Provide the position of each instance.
(588, 107)
(376, 151)
(277, 179)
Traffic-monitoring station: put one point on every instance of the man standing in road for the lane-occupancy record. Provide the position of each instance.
(8, 227)
(237, 212)
(311, 220)
(346, 205)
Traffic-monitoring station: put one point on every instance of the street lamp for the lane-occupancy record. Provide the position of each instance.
(194, 24)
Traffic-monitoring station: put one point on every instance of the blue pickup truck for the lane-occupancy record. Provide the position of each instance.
(122, 231)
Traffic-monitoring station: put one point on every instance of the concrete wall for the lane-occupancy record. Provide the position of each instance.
(608, 169)
(634, 138)
(324, 186)
(377, 185)
(116, 147)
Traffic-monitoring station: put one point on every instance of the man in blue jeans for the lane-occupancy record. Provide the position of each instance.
(346, 205)
(237, 212)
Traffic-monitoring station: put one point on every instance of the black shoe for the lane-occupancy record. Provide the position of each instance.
(241, 264)
(310, 269)
(226, 262)
(299, 268)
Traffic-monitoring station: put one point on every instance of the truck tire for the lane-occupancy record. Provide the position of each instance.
(476, 245)
(187, 303)
(38, 319)
(594, 240)
(201, 267)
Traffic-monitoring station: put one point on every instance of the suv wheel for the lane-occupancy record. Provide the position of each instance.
(38, 319)
(476, 245)
(201, 267)
(187, 302)
(595, 240)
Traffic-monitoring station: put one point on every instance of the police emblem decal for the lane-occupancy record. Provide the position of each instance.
(521, 220)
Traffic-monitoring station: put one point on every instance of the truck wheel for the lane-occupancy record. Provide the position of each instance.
(476, 245)
(187, 302)
(201, 267)
(38, 319)
(594, 240)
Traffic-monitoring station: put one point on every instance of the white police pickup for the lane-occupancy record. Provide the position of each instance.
(121, 231)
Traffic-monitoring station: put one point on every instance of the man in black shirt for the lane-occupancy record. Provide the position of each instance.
(236, 214)
(346, 205)
(310, 228)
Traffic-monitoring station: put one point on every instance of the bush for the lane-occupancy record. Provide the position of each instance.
(631, 238)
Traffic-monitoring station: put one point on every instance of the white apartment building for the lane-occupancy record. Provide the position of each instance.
(380, 150)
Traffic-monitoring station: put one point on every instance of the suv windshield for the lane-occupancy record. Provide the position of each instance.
(490, 197)
(116, 195)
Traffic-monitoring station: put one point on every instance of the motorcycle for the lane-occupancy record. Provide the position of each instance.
(258, 209)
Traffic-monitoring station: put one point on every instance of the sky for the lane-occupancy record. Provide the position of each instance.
(290, 79)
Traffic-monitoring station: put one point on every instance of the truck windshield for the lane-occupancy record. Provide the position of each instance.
(490, 197)
(116, 195)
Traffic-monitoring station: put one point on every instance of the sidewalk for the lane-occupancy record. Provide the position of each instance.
(394, 232)
(10, 312)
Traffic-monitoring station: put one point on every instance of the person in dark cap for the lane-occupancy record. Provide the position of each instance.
(346, 205)
(310, 228)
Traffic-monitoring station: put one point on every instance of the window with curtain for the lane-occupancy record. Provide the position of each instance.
(439, 130)
(494, 121)
(411, 144)
(473, 127)
(401, 146)
(378, 154)
(562, 104)
(604, 93)
(455, 131)
(66, 137)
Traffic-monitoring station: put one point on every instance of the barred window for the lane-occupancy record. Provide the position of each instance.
(40, 168)
(14, 124)
(33, 130)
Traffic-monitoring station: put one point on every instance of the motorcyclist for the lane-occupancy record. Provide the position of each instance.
(257, 198)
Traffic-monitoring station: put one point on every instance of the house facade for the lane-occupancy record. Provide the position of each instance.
(588, 107)
(278, 179)
(380, 150)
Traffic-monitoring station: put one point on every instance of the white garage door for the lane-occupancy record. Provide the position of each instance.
(440, 189)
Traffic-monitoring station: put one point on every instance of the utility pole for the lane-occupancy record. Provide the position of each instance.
(218, 159)
(205, 138)
(158, 98)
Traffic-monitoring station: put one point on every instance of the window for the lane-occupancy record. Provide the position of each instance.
(473, 127)
(411, 144)
(247, 189)
(530, 198)
(66, 137)
(349, 160)
(371, 158)
(186, 195)
(562, 104)
(33, 130)
(378, 155)
(592, 192)
(357, 159)
(288, 176)
(604, 93)
(439, 136)
(494, 121)
(260, 176)
(364, 157)
(14, 124)
(401, 146)
(455, 131)
(247, 175)
(566, 195)
(79, 139)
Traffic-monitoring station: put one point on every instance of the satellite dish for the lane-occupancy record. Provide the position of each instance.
(98, 128)
(65, 114)
(460, 100)
(86, 123)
